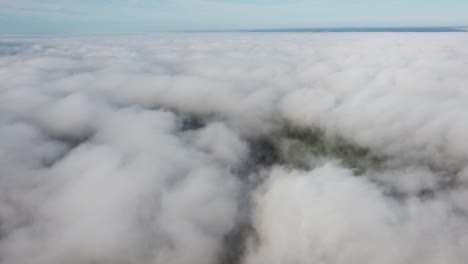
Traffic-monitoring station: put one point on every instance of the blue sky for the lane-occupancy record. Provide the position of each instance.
(115, 16)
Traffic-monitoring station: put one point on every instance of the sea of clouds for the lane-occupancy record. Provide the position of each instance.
(168, 149)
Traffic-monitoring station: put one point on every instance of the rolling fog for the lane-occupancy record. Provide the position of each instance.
(177, 149)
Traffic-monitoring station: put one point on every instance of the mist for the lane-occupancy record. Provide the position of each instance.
(234, 148)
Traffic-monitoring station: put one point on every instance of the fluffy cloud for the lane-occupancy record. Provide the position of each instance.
(328, 216)
(237, 148)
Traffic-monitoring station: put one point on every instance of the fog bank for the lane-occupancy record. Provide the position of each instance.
(234, 148)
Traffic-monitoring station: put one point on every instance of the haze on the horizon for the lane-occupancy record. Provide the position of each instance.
(117, 16)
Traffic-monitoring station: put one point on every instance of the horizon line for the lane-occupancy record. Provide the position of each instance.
(338, 29)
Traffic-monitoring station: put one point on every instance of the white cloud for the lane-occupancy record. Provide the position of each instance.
(159, 148)
(329, 216)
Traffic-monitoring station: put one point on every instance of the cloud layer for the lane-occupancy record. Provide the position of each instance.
(172, 148)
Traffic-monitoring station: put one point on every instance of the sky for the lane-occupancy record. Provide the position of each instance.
(121, 16)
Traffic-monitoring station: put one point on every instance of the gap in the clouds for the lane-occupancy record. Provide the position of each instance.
(314, 142)
(191, 123)
(69, 143)
(305, 148)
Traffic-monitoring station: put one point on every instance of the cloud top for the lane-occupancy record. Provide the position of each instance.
(234, 148)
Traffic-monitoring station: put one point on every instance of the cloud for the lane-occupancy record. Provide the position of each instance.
(328, 216)
(234, 148)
